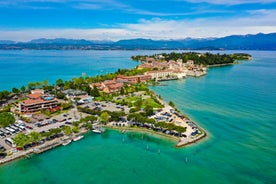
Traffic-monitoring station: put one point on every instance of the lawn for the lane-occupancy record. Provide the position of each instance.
(146, 101)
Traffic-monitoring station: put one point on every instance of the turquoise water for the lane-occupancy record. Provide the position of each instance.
(235, 104)
(21, 67)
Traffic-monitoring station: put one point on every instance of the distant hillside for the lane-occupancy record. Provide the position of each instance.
(234, 42)
(243, 42)
(67, 41)
(7, 42)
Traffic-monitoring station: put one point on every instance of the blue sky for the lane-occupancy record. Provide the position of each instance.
(23, 20)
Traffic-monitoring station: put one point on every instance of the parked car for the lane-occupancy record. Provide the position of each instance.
(29, 127)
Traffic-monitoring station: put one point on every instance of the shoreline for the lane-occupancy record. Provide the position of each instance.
(56, 143)
(221, 65)
(143, 130)
(50, 145)
(177, 140)
(192, 133)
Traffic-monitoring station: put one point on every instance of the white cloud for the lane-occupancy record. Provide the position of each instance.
(257, 21)
(230, 2)
(87, 4)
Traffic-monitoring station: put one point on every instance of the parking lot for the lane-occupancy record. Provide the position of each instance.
(109, 106)
(41, 125)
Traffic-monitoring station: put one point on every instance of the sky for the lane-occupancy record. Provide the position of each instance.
(24, 20)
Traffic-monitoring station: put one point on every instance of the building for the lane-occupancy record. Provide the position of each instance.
(113, 87)
(38, 101)
(85, 99)
(134, 79)
(109, 86)
(71, 93)
(37, 91)
(166, 74)
(78, 96)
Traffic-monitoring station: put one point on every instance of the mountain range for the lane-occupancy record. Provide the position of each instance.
(234, 42)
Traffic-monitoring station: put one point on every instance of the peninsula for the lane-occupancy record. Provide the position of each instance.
(41, 116)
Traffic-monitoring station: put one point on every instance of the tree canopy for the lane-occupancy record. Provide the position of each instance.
(6, 119)
(198, 58)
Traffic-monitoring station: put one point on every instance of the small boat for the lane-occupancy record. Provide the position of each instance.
(123, 131)
(97, 131)
(78, 138)
(66, 142)
(102, 129)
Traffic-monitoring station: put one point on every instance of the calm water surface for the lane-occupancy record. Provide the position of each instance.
(235, 104)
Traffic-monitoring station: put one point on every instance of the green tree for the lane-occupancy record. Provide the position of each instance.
(60, 95)
(171, 104)
(34, 137)
(88, 126)
(23, 89)
(122, 91)
(139, 102)
(148, 110)
(31, 85)
(4, 94)
(95, 92)
(78, 82)
(55, 131)
(6, 119)
(104, 117)
(67, 130)
(45, 83)
(66, 105)
(75, 129)
(139, 80)
(21, 139)
(60, 83)
(15, 90)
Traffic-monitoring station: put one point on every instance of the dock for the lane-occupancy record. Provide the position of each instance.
(27, 153)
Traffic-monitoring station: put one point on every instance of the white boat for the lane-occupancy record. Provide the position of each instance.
(102, 129)
(97, 131)
(78, 138)
(66, 142)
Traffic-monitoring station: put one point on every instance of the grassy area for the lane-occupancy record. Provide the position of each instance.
(151, 102)
(136, 100)
(103, 98)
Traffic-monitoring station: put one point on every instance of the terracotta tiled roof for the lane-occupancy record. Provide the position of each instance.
(98, 84)
(160, 71)
(30, 101)
(34, 95)
(108, 82)
(116, 86)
